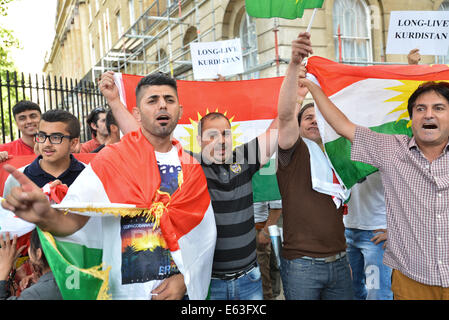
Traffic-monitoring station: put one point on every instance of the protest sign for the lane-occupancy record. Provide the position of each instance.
(212, 58)
(426, 30)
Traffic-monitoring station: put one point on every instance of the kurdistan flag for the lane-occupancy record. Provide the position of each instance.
(89, 264)
(250, 105)
(287, 9)
(75, 260)
(372, 96)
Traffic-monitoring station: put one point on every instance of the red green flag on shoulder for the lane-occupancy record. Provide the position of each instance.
(287, 9)
(371, 96)
(250, 105)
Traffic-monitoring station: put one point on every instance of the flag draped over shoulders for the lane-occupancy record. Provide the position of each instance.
(179, 213)
(371, 96)
(123, 181)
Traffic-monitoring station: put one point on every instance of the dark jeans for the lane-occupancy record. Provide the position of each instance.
(312, 280)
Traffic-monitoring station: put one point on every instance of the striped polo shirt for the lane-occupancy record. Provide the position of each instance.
(231, 192)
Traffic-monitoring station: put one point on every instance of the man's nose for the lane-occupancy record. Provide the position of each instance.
(47, 142)
(429, 113)
(162, 104)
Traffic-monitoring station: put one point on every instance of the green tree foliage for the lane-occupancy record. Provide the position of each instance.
(9, 95)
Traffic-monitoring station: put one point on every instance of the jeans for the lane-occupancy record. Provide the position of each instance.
(247, 287)
(371, 279)
(315, 280)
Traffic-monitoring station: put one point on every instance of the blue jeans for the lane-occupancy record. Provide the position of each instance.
(371, 279)
(314, 280)
(248, 287)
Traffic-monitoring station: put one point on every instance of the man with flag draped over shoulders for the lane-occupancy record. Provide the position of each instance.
(164, 249)
(314, 265)
(235, 273)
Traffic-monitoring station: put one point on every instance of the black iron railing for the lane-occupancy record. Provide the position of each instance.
(49, 92)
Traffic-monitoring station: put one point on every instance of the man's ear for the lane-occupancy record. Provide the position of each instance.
(180, 112)
(114, 128)
(136, 114)
(75, 145)
(39, 254)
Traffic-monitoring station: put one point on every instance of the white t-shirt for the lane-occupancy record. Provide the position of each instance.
(366, 208)
(262, 209)
(139, 262)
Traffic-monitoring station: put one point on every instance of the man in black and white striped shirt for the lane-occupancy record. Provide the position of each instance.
(235, 274)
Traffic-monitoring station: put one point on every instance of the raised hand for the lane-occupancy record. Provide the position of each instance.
(301, 48)
(107, 86)
(27, 201)
(414, 57)
(8, 255)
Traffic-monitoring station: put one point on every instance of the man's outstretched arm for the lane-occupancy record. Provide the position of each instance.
(29, 203)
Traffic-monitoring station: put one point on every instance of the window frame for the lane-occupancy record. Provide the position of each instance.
(353, 38)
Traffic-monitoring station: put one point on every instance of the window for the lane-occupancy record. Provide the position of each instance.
(89, 6)
(132, 17)
(92, 50)
(107, 30)
(118, 19)
(443, 59)
(164, 66)
(352, 18)
(100, 38)
(248, 39)
(190, 36)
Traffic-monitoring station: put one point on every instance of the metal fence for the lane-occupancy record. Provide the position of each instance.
(77, 97)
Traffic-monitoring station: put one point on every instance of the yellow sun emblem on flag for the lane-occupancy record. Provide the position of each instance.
(190, 142)
(406, 90)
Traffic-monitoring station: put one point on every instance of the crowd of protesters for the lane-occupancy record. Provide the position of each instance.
(325, 254)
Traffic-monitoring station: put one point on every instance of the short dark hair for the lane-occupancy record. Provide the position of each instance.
(58, 115)
(303, 109)
(35, 243)
(93, 117)
(110, 120)
(210, 116)
(442, 88)
(24, 105)
(155, 79)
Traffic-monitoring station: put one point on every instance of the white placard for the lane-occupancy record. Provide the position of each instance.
(212, 58)
(427, 31)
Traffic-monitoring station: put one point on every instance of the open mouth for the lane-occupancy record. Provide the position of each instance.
(429, 126)
(163, 119)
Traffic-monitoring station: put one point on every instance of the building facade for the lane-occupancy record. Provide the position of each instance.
(142, 36)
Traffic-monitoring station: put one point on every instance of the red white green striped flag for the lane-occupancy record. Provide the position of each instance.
(372, 96)
(88, 264)
(250, 105)
(287, 9)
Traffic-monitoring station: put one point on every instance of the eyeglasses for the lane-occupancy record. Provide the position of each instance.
(55, 138)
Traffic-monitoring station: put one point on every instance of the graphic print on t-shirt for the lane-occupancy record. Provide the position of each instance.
(145, 255)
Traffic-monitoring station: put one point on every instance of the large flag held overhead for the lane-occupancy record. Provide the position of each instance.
(250, 105)
(287, 9)
(372, 96)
